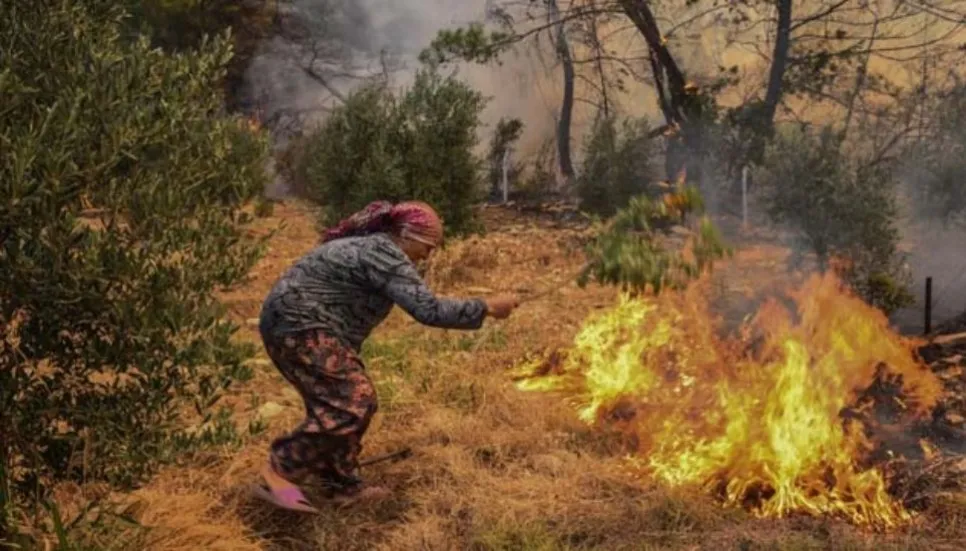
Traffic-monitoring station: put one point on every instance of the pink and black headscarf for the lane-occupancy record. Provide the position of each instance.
(414, 220)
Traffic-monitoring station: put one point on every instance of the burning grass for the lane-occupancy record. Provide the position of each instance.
(494, 468)
(781, 419)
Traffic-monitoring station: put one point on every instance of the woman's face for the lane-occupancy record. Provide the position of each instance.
(417, 251)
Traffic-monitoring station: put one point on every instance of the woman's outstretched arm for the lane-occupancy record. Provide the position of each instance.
(395, 276)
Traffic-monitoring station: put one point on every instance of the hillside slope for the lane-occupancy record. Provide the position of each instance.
(493, 467)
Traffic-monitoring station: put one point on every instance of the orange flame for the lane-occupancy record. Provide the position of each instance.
(755, 418)
(252, 123)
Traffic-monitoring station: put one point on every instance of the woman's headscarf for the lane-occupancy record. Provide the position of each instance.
(414, 220)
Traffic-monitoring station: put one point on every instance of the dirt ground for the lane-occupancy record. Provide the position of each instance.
(493, 467)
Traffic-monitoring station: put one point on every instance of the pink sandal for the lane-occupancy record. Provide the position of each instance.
(287, 497)
(290, 498)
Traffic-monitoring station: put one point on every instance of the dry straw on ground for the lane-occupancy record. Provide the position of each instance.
(493, 468)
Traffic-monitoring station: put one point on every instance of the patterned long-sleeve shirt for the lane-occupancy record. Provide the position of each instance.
(348, 286)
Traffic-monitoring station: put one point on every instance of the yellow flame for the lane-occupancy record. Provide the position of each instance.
(756, 420)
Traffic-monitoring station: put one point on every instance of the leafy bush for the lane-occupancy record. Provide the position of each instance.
(844, 211)
(637, 251)
(617, 165)
(939, 163)
(120, 215)
(540, 182)
(181, 25)
(417, 145)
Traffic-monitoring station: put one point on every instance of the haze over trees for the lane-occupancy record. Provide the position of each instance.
(135, 136)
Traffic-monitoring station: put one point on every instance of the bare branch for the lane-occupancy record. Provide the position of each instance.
(818, 15)
(311, 73)
(859, 82)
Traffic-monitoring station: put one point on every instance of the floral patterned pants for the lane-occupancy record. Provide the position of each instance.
(339, 404)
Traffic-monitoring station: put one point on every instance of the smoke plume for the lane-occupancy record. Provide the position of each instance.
(327, 48)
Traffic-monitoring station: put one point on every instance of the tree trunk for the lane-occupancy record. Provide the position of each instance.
(567, 105)
(779, 60)
(681, 114)
(640, 14)
(599, 54)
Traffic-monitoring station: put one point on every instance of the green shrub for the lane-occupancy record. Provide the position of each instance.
(415, 145)
(636, 250)
(120, 216)
(181, 25)
(840, 207)
(541, 180)
(938, 164)
(618, 164)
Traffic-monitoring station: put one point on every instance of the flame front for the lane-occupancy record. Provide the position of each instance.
(755, 419)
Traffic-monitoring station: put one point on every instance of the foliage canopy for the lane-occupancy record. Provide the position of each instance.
(415, 145)
(842, 207)
(120, 217)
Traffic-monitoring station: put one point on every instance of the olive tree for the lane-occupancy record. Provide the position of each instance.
(121, 215)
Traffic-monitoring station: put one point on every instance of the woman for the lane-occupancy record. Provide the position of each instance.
(313, 324)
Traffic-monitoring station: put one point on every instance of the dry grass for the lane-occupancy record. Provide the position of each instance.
(493, 468)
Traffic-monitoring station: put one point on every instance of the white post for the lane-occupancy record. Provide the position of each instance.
(506, 173)
(744, 196)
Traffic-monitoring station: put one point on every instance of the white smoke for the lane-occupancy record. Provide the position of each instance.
(341, 42)
(344, 41)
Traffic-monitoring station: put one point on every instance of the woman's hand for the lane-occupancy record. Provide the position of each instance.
(501, 306)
